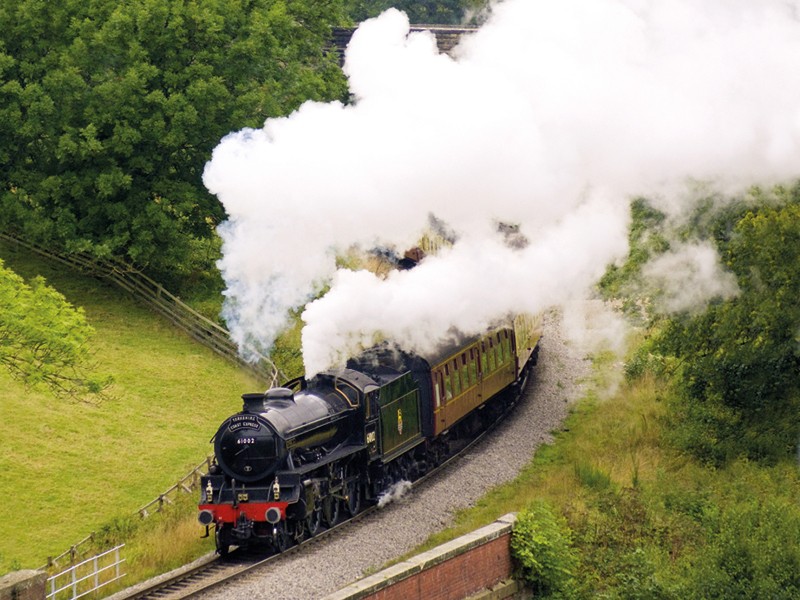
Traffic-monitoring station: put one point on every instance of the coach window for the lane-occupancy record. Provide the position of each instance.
(484, 359)
(456, 379)
(437, 388)
(448, 390)
(500, 358)
(473, 366)
(492, 356)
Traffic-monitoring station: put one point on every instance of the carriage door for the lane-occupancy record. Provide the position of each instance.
(439, 402)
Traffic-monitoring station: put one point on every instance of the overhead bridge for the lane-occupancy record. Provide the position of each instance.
(446, 36)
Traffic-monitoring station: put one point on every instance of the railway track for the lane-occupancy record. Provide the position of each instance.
(212, 570)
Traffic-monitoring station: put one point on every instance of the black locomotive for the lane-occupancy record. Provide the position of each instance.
(298, 456)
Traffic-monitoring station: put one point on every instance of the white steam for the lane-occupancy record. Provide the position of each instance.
(551, 117)
(688, 276)
(395, 493)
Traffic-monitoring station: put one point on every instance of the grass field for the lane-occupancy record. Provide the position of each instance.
(69, 468)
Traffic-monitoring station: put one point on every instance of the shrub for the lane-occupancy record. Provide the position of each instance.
(542, 545)
(752, 552)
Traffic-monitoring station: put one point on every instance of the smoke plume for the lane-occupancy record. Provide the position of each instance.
(549, 118)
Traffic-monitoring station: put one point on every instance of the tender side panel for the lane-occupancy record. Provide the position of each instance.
(399, 415)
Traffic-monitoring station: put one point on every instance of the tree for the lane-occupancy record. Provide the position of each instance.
(740, 359)
(109, 111)
(44, 341)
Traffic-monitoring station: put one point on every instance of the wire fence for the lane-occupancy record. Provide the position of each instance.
(153, 295)
(188, 484)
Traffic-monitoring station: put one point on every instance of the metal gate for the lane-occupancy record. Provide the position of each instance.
(87, 576)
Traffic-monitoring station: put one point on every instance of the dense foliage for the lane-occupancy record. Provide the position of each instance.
(541, 545)
(44, 340)
(753, 553)
(736, 362)
(740, 359)
(109, 111)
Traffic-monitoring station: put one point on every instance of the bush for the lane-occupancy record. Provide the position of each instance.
(542, 545)
(752, 552)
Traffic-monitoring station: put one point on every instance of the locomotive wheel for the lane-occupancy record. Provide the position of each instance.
(299, 531)
(282, 540)
(330, 510)
(410, 468)
(393, 474)
(223, 539)
(353, 498)
(402, 470)
(313, 522)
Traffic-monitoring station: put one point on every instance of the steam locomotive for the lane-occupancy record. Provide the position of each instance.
(300, 456)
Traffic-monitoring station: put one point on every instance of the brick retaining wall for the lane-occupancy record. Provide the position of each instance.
(453, 571)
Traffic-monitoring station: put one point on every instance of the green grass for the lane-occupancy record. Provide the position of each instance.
(68, 468)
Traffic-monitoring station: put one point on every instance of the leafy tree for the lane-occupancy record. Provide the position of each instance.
(737, 362)
(740, 359)
(44, 341)
(109, 111)
(646, 239)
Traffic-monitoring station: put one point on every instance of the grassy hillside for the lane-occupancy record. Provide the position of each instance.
(646, 520)
(68, 468)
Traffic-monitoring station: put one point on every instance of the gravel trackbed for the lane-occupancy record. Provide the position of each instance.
(402, 525)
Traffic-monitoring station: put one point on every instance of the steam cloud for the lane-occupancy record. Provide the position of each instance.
(396, 492)
(688, 275)
(551, 117)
